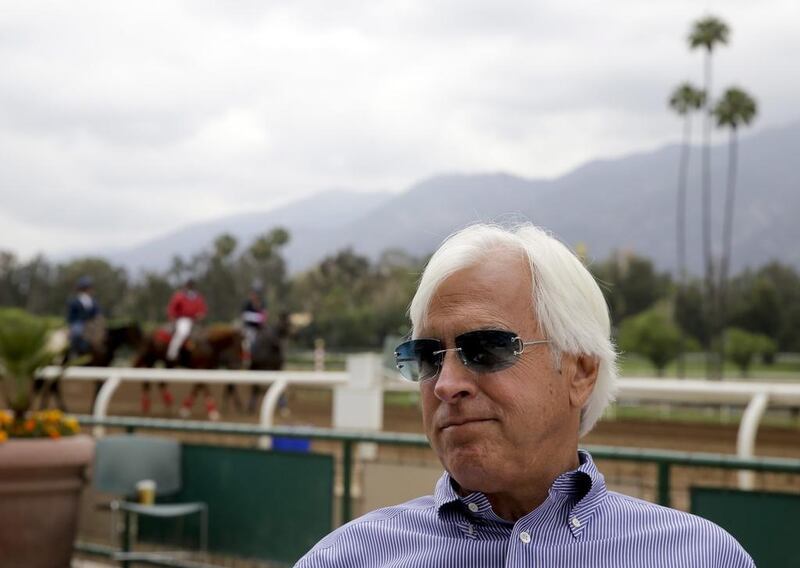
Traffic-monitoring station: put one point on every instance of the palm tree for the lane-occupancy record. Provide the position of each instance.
(735, 108)
(684, 100)
(24, 349)
(707, 33)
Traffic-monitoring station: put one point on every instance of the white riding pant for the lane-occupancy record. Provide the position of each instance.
(183, 328)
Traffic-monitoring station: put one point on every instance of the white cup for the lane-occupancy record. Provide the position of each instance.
(146, 489)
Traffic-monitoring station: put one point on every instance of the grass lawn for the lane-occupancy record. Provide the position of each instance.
(786, 367)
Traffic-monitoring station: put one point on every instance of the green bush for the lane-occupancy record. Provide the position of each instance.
(741, 347)
(653, 335)
(769, 349)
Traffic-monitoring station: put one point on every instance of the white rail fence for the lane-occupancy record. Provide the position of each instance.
(358, 393)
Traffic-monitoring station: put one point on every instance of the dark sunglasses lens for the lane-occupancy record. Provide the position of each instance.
(415, 359)
(487, 350)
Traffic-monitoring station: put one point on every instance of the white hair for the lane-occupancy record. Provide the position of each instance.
(569, 306)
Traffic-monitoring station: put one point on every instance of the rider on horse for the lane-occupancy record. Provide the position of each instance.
(185, 307)
(82, 311)
(254, 316)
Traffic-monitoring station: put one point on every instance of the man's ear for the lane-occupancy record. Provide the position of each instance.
(582, 377)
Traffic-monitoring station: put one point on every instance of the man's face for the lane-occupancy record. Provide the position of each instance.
(494, 431)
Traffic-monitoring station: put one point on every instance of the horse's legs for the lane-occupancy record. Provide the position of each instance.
(229, 393)
(211, 404)
(146, 397)
(166, 396)
(255, 395)
(54, 389)
(188, 402)
(40, 391)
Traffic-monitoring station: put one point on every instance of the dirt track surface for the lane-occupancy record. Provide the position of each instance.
(312, 407)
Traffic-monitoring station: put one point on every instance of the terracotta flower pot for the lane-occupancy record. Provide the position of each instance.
(40, 486)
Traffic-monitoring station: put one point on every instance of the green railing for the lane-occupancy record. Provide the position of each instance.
(662, 459)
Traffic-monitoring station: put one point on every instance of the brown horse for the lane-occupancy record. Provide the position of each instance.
(104, 342)
(267, 354)
(216, 346)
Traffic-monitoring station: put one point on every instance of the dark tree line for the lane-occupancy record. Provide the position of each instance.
(352, 301)
(763, 301)
(346, 299)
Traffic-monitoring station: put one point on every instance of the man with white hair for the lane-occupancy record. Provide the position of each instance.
(512, 352)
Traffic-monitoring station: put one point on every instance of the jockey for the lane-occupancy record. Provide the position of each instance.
(81, 309)
(254, 316)
(185, 307)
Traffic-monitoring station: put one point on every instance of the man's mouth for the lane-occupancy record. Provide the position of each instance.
(458, 422)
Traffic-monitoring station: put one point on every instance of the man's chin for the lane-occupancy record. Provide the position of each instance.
(474, 479)
(471, 467)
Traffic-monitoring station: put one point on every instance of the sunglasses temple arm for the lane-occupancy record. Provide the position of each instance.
(522, 344)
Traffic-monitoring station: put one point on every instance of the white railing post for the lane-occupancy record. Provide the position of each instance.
(100, 410)
(746, 438)
(268, 405)
(319, 354)
(358, 404)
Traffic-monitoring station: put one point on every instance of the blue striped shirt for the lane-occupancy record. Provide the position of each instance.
(580, 523)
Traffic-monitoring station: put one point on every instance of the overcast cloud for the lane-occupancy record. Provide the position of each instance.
(122, 121)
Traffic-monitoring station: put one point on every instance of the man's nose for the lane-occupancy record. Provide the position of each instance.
(454, 380)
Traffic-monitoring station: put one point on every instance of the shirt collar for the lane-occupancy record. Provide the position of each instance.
(584, 486)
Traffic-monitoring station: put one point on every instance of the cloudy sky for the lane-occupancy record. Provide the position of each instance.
(121, 121)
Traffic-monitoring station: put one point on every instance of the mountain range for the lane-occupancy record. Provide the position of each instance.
(625, 204)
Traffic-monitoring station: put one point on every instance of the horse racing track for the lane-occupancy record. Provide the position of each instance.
(312, 407)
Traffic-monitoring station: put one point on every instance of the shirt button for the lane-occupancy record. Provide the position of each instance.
(525, 537)
(473, 507)
(575, 522)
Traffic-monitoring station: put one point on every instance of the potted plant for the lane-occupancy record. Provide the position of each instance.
(43, 459)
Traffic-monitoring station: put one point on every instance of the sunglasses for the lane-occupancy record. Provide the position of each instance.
(481, 351)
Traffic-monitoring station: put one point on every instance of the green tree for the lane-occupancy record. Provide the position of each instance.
(736, 108)
(742, 347)
(630, 284)
(768, 350)
(26, 285)
(147, 299)
(353, 302)
(110, 284)
(218, 281)
(707, 33)
(653, 335)
(689, 313)
(263, 261)
(767, 301)
(755, 304)
(685, 100)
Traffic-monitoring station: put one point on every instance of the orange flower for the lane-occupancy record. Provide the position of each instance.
(3, 436)
(30, 424)
(53, 433)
